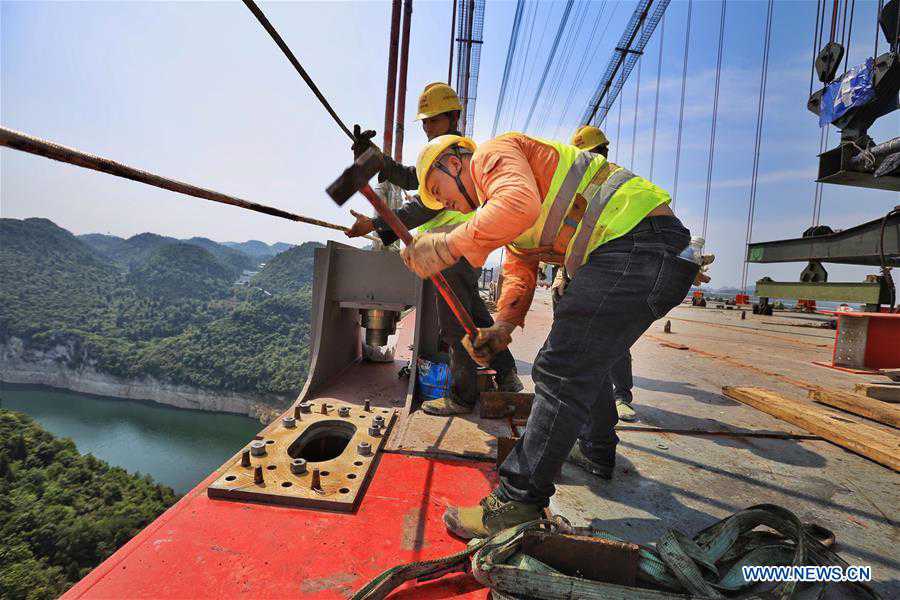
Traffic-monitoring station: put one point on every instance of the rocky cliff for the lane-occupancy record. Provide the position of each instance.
(20, 364)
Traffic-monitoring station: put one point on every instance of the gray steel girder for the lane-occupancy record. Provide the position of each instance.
(855, 246)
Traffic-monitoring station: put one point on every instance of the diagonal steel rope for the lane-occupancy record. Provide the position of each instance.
(687, 46)
(715, 114)
(662, 37)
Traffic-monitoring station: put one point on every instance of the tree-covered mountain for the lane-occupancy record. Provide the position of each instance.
(289, 271)
(62, 513)
(259, 250)
(236, 260)
(180, 271)
(174, 315)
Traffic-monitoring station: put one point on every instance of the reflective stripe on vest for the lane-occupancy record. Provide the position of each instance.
(604, 185)
(600, 197)
(444, 221)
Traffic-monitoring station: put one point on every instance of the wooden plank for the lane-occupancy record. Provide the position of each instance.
(858, 405)
(886, 392)
(879, 444)
(499, 405)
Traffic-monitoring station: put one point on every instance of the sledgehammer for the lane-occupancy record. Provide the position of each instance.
(356, 179)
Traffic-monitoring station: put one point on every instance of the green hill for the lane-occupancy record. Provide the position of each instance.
(62, 513)
(174, 316)
(104, 245)
(235, 260)
(257, 249)
(178, 271)
(289, 271)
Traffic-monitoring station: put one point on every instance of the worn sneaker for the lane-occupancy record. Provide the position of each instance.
(626, 413)
(578, 457)
(488, 517)
(511, 382)
(445, 407)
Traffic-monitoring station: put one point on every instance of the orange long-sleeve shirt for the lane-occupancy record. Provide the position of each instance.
(512, 174)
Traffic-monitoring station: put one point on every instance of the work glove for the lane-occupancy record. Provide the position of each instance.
(428, 254)
(362, 140)
(490, 341)
(558, 287)
(363, 226)
(705, 261)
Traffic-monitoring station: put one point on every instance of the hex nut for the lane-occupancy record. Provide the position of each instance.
(305, 407)
(364, 448)
(258, 448)
(378, 420)
(374, 430)
(298, 466)
(289, 422)
(344, 411)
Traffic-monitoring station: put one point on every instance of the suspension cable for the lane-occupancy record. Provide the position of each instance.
(849, 36)
(754, 178)
(34, 145)
(515, 110)
(715, 113)
(560, 30)
(815, 48)
(637, 95)
(618, 130)
(662, 37)
(687, 45)
(877, 17)
(293, 60)
(507, 67)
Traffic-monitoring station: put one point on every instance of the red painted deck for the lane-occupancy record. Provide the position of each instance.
(202, 548)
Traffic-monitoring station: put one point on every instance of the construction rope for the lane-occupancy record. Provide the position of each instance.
(33, 145)
(715, 114)
(754, 178)
(662, 37)
(687, 45)
(293, 60)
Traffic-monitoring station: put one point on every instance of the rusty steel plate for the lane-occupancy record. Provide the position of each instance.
(328, 437)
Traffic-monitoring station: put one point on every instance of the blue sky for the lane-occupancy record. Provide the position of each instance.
(198, 91)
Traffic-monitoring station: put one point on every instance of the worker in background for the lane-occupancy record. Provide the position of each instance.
(619, 242)
(439, 110)
(592, 139)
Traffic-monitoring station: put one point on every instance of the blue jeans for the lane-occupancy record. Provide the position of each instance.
(624, 286)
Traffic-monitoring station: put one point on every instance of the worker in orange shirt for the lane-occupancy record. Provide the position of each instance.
(619, 242)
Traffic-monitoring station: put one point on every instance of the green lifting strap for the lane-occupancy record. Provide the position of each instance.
(708, 565)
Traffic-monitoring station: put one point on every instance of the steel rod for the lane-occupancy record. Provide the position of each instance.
(33, 145)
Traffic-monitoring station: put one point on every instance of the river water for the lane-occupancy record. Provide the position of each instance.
(178, 447)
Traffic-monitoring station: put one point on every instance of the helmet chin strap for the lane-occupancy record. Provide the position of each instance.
(458, 179)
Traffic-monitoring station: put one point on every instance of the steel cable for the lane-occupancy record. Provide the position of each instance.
(507, 67)
(293, 60)
(760, 113)
(715, 114)
(687, 45)
(637, 96)
(662, 36)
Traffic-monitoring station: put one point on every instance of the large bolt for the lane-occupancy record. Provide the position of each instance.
(743, 315)
(316, 482)
(297, 411)
(667, 328)
(374, 430)
(289, 422)
(364, 448)
(298, 466)
(258, 475)
(344, 411)
(324, 409)
(245, 458)
(258, 448)
(367, 405)
(305, 407)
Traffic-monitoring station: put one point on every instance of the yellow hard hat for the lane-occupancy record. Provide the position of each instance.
(437, 98)
(588, 137)
(429, 154)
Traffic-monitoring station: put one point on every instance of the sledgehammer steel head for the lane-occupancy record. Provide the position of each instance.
(355, 176)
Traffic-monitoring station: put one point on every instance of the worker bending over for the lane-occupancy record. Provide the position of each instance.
(619, 242)
(439, 109)
(592, 139)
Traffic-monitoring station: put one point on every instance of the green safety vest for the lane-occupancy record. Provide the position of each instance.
(446, 220)
(617, 200)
